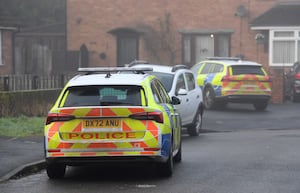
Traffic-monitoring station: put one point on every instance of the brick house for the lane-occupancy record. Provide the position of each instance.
(6, 49)
(113, 33)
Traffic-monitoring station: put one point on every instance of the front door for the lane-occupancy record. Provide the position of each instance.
(127, 49)
(204, 48)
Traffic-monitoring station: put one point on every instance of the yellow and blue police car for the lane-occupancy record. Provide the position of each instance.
(226, 80)
(105, 115)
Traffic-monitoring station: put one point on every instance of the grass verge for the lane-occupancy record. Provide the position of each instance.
(21, 126)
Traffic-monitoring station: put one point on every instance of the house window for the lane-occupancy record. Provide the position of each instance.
(1, 61)
(285, 47)
(197, 47)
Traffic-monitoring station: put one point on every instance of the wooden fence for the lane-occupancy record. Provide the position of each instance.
(32, 82)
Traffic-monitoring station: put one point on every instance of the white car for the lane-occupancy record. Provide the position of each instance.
(179, 81)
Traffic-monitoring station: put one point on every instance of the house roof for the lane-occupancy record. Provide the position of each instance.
(281, 15)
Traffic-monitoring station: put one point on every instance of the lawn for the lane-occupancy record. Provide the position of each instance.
(21, 126)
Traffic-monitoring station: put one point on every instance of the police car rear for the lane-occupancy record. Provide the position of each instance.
(112, 117)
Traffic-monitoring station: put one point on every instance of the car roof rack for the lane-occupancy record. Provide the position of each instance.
(109, 70)
(224, 58)
(178, 67)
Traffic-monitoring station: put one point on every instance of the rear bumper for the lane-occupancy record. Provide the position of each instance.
(84, 161)
(244, 98)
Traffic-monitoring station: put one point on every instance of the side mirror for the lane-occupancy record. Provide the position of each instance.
(182, 91)
(175, 100)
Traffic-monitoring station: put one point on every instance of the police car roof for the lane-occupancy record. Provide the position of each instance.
(234, 62)
(104, 79)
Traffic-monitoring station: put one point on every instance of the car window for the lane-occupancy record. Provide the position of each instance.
(190, 80)
(159, 93)
(206, 68)
(165, 78)
(180, 83)
(218, 68)
(162, 93)
(196, 67)
(155, 93)
(246, 69)
(102, 95)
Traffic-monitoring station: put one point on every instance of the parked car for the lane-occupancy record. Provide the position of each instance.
(226, 80)
(293, 83)
(179, 81)
(112, 117)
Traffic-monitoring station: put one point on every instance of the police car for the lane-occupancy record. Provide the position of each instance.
(226, 80)
(105, 115)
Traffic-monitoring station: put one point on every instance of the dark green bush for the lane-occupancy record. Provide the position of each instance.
(27, 103)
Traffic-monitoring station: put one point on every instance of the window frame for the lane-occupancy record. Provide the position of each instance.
(1, 51)
(296, 44)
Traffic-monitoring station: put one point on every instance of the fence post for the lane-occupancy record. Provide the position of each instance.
(62, 81)
(35, 82)
(6, 83)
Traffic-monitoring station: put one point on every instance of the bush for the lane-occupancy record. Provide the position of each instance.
(27, 103)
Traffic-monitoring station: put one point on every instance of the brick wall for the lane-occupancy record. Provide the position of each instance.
(6, 67)
(90, 21)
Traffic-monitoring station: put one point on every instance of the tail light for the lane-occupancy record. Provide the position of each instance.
(267, 79)
(297, 76)
(227, 76)
(155, 116)
(55, 117)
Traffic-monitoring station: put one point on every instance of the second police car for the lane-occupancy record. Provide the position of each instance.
(105, 115)
(226, 80)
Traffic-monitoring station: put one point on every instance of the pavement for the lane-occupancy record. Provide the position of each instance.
(20, 156)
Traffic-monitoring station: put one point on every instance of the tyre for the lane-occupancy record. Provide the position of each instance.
(195, 128)
(260, 106)
(294, 97)
(178, 156)
(166, 169)
(209, 98)
(56, 171)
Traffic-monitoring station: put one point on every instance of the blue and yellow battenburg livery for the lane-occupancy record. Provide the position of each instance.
(226, 80)
(115, 116)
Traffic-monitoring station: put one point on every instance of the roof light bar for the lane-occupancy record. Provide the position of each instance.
(113, 69)
(224, 58)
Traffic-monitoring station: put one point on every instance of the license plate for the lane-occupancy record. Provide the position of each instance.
(102, 124)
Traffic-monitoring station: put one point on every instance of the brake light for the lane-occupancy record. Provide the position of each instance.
(267, 79)
(156, 116)
(54, 117)
(227, 76)
(297, 76)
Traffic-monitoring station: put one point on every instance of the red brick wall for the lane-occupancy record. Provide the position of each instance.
(6, 67)
(90, 21)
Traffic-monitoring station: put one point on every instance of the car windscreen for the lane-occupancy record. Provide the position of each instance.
(102, 96)
(165, 78)
(247, 69)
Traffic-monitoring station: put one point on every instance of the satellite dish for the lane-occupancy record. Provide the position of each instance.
(241, 11)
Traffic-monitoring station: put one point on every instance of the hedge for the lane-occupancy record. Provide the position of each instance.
(27, 103)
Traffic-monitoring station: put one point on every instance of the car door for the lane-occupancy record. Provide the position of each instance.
(193, 97)
(181, 91)
(172, 112)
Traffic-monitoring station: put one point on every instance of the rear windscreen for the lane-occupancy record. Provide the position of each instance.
(102, 96)
(244, 69)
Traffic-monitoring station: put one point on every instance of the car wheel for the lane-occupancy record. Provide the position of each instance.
(178, 156)
(195, 128)
(260, 106)
(209, 98)
(294, 97)
(166, 169)
(56, 171)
